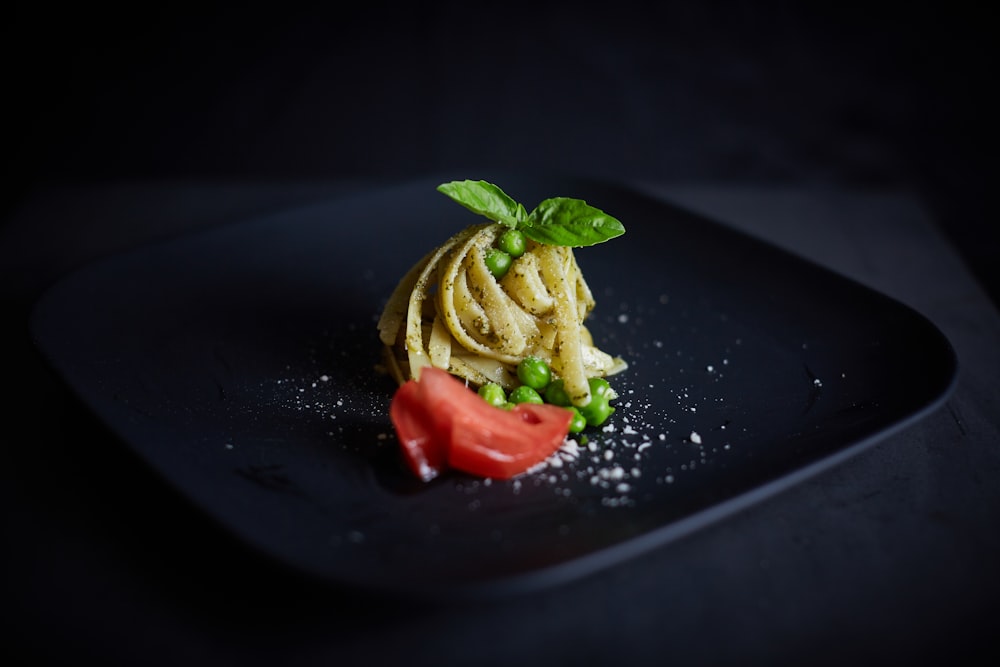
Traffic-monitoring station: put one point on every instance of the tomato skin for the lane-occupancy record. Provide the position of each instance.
(508, 443)
(423, 447)
(444, 396)
(442, 424)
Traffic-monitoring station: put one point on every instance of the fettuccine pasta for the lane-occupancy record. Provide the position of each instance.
(450, 311)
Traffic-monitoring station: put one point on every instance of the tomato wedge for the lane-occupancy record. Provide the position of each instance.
(423, 449)
(507, 446)
(443, 424)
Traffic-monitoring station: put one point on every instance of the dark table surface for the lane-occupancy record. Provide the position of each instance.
(852, 136)
(892, 555)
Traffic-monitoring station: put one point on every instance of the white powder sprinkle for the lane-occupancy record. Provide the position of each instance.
(611, 459)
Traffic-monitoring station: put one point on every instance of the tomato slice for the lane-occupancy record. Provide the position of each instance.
(441, 423)
(423, 447)
(507, 443)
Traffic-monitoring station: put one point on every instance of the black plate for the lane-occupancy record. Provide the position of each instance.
(240, 363)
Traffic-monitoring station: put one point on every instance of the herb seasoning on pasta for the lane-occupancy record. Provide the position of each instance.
(496, 293)
(500, 305)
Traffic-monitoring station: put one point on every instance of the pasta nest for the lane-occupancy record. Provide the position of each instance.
(449, 311)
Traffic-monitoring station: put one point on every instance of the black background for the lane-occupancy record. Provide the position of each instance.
(859, 95)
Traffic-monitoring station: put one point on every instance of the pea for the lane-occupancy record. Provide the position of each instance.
(525, 394)
(578, 423)
(599, 409)
(498, 262)
(493, 394)
(601, 387)
(556, 394)
(512, 242)
(534, 372)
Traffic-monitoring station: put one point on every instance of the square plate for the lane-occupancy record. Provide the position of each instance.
(240, 364)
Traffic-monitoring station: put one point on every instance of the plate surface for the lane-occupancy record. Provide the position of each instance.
(240, 363)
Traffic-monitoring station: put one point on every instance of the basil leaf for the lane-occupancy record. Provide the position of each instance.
(485, 199)
(570, 222)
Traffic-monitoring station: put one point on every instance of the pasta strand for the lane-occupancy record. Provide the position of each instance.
(449, 311)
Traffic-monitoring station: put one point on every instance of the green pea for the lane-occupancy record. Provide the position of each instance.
(534, 372)
(525, 394)
(578, 423)
(498, 262)
(556, 394)
(493, 394)
(600, 387)
(512, 242)
(599, 409)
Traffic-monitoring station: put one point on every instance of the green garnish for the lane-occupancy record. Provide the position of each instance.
(534, 372)
(498, 262)
(560, 221)
(556, 394)
(525, 394)
(579, 422)
(512, 242)
(599, 409)
(493, 394)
